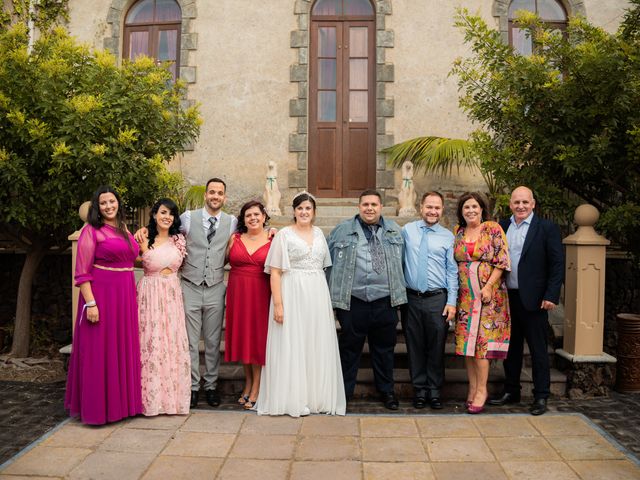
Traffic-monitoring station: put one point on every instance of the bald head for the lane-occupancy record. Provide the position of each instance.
(522, 203)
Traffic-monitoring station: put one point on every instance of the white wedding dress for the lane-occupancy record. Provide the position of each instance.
(302, 372)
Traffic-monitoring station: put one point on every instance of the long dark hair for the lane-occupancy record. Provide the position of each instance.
(478, 198)
(303, 197)
(152, 227)
(94, 218)
(242, 228)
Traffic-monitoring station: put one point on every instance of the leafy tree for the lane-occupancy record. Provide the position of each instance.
(71, 120)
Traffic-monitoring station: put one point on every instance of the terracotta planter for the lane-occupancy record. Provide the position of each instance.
(628, 367)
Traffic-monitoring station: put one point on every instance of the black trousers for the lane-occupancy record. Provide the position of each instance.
(375, 321)
(532, 327)
(425, 332)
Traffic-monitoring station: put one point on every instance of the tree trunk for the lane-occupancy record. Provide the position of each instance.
(22, 326)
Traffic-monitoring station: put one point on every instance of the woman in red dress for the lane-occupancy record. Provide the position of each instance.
(248, 297)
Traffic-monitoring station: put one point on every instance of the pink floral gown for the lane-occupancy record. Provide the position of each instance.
(164, 348)
(482, 330)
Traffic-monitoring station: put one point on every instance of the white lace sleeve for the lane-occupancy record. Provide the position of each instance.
(326, 262)
(278, 256)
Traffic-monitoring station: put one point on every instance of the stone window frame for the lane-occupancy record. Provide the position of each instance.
(500, 10)
(188, 38)
(299, 105)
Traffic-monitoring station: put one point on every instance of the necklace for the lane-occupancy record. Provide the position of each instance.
(253, 238)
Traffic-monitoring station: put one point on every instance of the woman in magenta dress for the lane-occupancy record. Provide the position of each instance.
(164, 348)
(248, 297)
(103, 384)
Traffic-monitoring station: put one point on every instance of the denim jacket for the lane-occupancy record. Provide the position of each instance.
(343, 242)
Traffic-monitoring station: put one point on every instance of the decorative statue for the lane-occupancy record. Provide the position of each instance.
(407, 195)
(272, 193)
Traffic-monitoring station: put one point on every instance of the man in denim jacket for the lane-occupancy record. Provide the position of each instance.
(367, 284)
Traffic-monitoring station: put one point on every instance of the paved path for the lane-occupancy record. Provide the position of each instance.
(238, 445)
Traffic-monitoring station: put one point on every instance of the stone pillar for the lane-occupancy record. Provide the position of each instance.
(407, 195)
(83, 212)
(584, 294)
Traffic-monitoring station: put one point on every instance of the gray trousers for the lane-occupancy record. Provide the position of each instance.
(204, 312)
(426, 332)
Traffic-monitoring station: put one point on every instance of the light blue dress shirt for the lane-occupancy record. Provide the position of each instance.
(442, 269)
(516, 235)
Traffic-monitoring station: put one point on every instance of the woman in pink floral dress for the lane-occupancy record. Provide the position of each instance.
(164, 348)
(483, 324)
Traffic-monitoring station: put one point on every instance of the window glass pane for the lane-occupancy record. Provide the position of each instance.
(327, 74)
(141, 12)
(167, 10)
(521, 5)
(551, 10)
(521, 41)
(327, 42)
(358, 106)
(358, 41)
(327, 106)
(138, 44)
(358, 7)
(167, 43)
(327, 7)
(358, 73)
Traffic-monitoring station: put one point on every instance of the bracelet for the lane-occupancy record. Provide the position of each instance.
(92, 303)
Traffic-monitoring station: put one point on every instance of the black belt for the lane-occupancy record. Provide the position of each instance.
(429, 293)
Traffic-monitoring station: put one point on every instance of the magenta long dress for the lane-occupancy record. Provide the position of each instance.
(164, 348)
(103, 384)
(248, 297)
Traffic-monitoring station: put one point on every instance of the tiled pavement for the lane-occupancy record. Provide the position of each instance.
(230, 445)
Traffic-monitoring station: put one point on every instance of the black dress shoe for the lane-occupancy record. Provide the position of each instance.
(419, 402)
(538, 407)
(390, 401)
(435, 403)
(505, 399)
(213, 397)
(194, 398)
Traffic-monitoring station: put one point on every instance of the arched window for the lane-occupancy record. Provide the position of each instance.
(551, 12)
(342, 8)
(152, 28)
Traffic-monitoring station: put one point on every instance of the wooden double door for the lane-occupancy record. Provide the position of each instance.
(342, 133)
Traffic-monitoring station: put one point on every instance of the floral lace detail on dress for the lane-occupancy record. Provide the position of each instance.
(181, 244)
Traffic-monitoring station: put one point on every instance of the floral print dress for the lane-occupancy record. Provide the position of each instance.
(482, 330)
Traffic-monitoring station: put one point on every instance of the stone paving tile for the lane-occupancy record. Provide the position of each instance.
(466, 471)
(393, 450)
(105, 465)
(458, 450)
(243, 469)
(199, 444)
(606, 470)
(555, 425)
(183, 468)
(539, 470)
(447, 427)
(55, 461)
(78, 435)
(388, 427)
(505, 426)
(328, 448)
(586, 447)
(326, 470)
(158, 422)
(333, 426)
(283, 425)
(275, 447)
(399, 471)
(218, 422)
(23, 477)
(521, 448)
(136, 441)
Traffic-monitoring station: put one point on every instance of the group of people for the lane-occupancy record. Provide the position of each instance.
(137, 352)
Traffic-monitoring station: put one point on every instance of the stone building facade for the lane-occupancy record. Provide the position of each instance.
(254, 68)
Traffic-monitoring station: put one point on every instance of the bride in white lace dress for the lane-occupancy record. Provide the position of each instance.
(302, 372)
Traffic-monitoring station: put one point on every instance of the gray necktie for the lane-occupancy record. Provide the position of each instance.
(212, 228)
(376, 251)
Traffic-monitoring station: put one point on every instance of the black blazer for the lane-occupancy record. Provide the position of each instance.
(541, 266)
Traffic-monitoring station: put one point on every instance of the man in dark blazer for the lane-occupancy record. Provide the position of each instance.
(537, 272)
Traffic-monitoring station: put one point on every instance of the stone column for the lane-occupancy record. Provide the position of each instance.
(83, 212)
(584, 291)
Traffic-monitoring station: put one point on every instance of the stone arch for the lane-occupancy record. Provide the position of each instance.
(298, 106)
(500, 10)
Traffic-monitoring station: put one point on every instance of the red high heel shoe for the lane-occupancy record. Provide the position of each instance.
(475, 409)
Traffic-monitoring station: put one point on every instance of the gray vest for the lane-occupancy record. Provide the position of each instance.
(205, 261)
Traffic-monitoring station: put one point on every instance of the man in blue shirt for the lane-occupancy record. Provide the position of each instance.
(431, 275)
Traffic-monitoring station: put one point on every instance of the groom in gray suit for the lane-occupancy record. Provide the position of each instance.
(207, 231)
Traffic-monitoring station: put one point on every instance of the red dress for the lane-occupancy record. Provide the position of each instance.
(248, 298)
